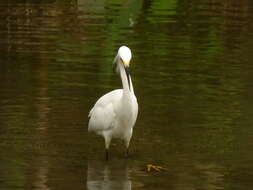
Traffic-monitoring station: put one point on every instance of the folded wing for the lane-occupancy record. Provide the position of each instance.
(102, 115)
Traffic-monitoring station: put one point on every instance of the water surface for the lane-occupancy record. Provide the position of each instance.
(192, 72)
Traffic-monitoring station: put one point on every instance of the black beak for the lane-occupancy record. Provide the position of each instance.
(127, 74)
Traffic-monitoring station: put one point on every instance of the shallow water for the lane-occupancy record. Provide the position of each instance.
(192, 72)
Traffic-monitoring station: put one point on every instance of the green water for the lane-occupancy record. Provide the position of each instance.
(192, 73)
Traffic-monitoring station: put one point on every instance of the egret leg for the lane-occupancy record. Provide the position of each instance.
(127, 141)
(107, 145)
(106, 154)
(127, 153)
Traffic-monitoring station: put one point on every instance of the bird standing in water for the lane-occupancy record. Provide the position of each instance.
(114, 114)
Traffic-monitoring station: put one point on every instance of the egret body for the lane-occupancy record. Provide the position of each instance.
(114, 114)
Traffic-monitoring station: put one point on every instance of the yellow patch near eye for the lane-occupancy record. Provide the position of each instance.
(126, 64)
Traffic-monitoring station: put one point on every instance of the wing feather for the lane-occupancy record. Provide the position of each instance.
(102, 115)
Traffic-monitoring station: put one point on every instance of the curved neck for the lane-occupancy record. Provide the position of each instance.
(127, 87)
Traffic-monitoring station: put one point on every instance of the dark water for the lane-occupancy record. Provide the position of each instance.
(192, 72)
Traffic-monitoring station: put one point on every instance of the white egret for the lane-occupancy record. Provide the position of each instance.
(114, 114)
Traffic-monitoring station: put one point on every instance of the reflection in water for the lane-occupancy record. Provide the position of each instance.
(108, 176)
(43, 110)
(41, 173)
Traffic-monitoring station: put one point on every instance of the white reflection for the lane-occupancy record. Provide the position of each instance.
(41, 174)
(108, 176)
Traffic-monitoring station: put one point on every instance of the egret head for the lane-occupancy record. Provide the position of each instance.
(125, 55)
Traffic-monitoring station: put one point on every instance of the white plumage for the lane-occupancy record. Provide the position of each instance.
(114, 114)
